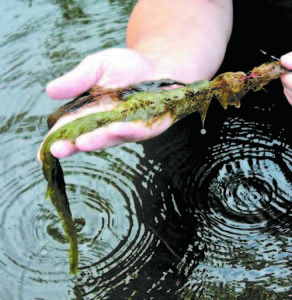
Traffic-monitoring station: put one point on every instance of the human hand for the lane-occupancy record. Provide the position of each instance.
(110, 68)
(286, 61)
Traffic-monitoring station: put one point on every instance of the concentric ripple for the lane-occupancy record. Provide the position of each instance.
(39, 42)
(113, 242)
(242, 198)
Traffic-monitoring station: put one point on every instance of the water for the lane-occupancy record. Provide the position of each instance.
(183, 216)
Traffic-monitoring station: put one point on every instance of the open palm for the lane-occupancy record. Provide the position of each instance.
(110, 68)
(114, 68)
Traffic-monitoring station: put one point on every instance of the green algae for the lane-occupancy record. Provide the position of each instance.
(145, 102)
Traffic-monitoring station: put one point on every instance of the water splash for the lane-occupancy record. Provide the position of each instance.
(203, 131)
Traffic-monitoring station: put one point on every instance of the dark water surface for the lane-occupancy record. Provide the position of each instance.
(183, 216)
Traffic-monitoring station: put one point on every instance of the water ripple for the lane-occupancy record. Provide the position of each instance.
(241, 195)
(113, 241)
(105, 206)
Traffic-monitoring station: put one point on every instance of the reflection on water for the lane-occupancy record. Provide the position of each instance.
(241, 196)
(183, 216)
(226, 208)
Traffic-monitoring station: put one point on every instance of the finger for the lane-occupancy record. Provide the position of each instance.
(288, 94)
(120, 132)
(286, 60)
(62, 149)
(287, 81)
(77, 81)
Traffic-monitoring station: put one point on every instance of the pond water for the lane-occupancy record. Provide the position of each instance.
(182, 216)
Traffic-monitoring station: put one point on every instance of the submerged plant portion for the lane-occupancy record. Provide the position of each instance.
(146, 102)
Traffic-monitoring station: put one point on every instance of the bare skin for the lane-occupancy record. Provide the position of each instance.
(286, 61)
(198, 32)
(146, 58)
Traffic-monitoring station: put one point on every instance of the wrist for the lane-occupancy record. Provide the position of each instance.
(188, 39)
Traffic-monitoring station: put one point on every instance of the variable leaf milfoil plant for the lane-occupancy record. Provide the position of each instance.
(146, 102)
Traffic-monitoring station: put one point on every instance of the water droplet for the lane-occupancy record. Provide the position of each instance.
(203, 131)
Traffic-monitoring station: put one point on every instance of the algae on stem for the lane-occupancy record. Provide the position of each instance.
(147, 102)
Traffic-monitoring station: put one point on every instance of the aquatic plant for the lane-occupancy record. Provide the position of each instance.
(147, 102)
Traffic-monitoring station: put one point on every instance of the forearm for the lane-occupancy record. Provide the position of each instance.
(187, 37)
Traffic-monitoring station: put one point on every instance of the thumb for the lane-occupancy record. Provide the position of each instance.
(286, 60)
(77, 81)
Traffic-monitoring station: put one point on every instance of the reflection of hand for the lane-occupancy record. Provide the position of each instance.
(109, 68)
(286, 61)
